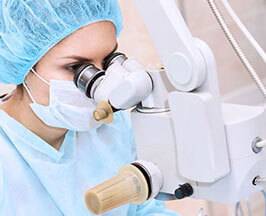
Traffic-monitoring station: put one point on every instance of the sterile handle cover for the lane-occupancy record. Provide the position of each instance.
(129, 186)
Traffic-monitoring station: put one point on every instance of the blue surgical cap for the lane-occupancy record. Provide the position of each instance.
(29, 28)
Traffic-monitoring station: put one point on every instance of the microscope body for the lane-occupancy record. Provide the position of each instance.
(188, 142)
(217, 173)
(184, 128)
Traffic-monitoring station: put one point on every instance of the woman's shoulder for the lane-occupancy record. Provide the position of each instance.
(7, 149)
(4, 140)
(122, 120)
(120, 127)
(2, 147)
(118, 136)
(1, 184)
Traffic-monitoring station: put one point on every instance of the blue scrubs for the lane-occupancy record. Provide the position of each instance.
(36, 179)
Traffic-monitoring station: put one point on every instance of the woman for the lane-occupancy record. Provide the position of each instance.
(51, 151)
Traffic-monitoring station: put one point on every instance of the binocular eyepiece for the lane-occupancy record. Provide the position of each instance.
(88, 77)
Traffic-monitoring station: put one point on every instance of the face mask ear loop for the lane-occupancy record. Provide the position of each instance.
(41, 78)
(28, 91)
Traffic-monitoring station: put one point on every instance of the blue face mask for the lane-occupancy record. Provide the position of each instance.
(68, 107)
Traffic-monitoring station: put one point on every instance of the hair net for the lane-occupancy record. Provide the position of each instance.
(29, 28)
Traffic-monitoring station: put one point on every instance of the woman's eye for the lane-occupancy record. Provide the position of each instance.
(74, 67)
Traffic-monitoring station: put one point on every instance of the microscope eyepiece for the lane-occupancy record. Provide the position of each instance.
(86, 78)
(114, 57)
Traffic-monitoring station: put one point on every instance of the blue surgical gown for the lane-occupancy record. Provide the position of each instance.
(36, 179)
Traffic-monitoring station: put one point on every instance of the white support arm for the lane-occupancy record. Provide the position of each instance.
(196, 114)
(174, 43)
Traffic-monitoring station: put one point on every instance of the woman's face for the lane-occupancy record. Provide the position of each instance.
(90, 44)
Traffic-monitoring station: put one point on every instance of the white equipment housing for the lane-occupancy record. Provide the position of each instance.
(183, 127)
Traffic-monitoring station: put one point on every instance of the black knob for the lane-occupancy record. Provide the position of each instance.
(184, 191)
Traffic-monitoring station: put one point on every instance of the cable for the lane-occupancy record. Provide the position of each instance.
(238, 210)
(249, 208)
(236, 47)
(245, 31)
(264, 196)
(181, 5)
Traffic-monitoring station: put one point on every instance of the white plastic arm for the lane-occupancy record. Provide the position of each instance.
(184, 64)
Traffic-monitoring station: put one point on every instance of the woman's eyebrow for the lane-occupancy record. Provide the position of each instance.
(83, 59)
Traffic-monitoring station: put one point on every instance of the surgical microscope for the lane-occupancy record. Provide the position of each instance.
(189, 143)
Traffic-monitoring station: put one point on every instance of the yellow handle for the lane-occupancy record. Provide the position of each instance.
(129, 186)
